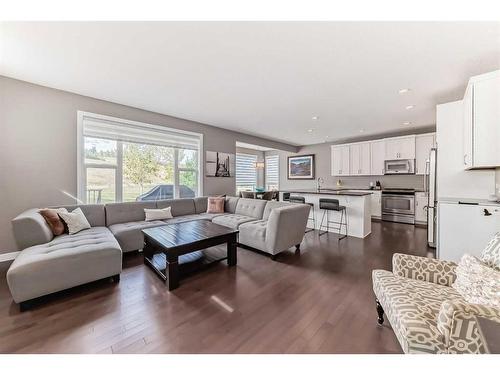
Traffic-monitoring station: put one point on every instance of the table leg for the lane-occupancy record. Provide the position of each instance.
(172, 271)
(146, 251)
(231, 252)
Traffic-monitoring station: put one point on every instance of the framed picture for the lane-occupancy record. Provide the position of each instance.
(219, 164)
(301, 167)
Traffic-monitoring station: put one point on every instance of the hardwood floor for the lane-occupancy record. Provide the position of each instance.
(318, 301)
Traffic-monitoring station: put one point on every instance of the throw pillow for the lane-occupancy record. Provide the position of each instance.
(158, 213)
(491, 253)
(215, 205)
(51, 216)
(75, 221)
(477, 283)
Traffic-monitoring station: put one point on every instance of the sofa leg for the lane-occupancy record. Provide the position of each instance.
(116, 278)
(273, 257)
(297, 247)
(380, 312)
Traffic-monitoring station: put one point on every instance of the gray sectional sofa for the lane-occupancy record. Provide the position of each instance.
(49, 264)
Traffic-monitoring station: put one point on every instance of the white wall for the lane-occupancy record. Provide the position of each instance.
(452, 180)
(38, 146)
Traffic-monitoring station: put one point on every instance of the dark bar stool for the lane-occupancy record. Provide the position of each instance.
(297, 199)
(333, 205)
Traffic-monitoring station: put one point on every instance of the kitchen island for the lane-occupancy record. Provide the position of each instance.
(357, 203)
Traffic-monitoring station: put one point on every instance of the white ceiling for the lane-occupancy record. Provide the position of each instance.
(266, 79)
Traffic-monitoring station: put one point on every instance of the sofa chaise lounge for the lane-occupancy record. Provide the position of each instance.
(49, 264)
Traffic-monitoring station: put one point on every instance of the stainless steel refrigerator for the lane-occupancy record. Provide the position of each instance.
(430, 183)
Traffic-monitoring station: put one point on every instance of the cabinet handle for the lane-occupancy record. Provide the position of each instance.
(465, 159)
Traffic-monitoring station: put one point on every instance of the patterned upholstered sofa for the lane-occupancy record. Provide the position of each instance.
(425, 312)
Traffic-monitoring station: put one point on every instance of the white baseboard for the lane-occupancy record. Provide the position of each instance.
(8, 257)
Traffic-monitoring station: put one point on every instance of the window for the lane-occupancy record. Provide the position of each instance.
(123, 161)
(272, 172)
(246, 174)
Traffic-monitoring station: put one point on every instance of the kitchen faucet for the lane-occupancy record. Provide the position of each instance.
(320, 181)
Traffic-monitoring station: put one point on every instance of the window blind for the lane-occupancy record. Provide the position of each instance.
(272, 171)
(113, 129)
(246, 174)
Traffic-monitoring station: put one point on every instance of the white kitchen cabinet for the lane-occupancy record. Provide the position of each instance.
(421, 201)
(377, 157)
(467, 127)
(481, 123)
(423, 145)
(375, 202)
(464, 228)
(340, 160)
(400, 148)
(359, 164)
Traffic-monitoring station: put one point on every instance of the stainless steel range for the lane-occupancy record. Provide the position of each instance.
(398, 205)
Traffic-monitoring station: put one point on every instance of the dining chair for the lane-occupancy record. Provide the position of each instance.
(248, 194)
(268, 195)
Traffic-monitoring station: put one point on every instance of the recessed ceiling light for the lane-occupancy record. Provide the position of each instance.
(361, 130)
(310, 130)
(314, 118)
(407, 123)
(411, 106)
(404, 91)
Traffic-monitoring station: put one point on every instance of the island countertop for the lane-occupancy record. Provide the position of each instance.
(357, 209)
(327, 192)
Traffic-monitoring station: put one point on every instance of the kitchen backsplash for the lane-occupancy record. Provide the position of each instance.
(406, 181)
(497, 182)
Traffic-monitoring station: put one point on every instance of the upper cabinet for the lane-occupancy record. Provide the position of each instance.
(400, 148)
(340, 160)
(423, 145)
(368, 158)
(359, 164)
(377, 150)
(481, 125)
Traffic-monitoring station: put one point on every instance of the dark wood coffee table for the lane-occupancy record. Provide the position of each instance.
(165, 244)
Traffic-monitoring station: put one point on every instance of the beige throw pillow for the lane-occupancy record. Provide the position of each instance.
(491, 253)
(158, 214)
(477, 283)
(215, 205)
(75, 220)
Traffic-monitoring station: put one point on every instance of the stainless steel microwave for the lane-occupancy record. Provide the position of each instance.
(403, 166)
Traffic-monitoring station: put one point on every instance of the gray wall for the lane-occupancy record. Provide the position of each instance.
(260, 157)
(38, 146)
(323, 168)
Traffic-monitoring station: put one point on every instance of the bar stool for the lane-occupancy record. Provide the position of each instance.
(297, 199)
(333, 205)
